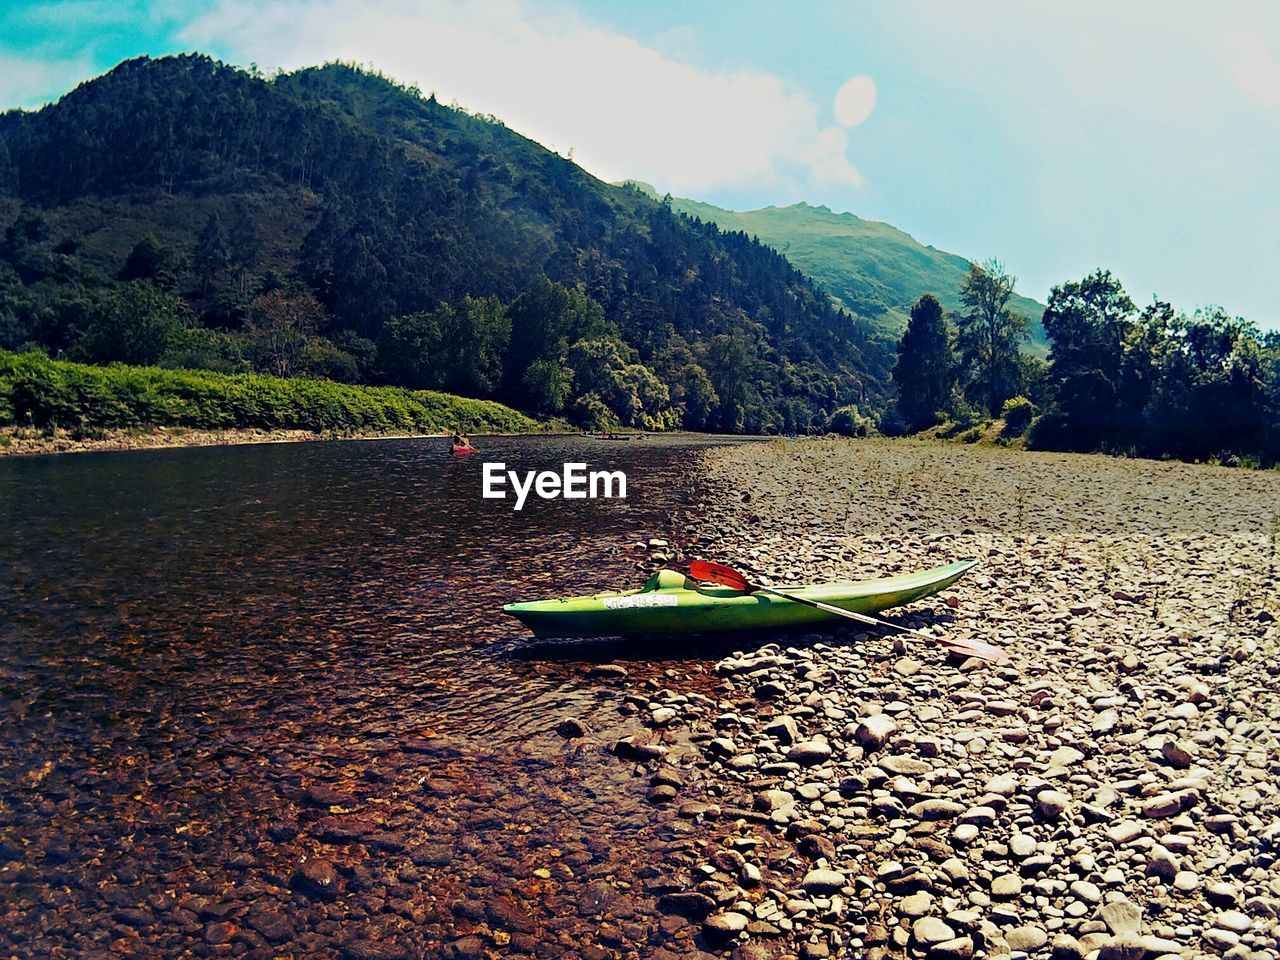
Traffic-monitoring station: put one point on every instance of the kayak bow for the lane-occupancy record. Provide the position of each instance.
(670, 602)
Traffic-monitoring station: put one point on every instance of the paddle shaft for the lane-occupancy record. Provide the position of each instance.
(705, 570)
(841, 612)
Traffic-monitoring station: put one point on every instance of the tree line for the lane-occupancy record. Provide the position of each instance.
(1150, 381)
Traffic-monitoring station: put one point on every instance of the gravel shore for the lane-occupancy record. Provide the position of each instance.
(1108, 791)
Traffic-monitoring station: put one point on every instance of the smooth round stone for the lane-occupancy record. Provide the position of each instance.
(965, 833)
(960, 948)
(1026, 939)
(1022, 845)
(930, 930)
(1221, 939)
(725, 925)
(1222, 891)
(1086, 891)
(1234, 921)
(1006, 886)
(810, 752)
(916, 905)
(1005, 785)
(1186, 881)
(822, 881)
(1052, 804)
(1067, 947)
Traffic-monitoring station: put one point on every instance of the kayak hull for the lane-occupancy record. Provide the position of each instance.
(671, 603)
(462, 451)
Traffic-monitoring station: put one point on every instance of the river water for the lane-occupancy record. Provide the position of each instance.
(262, 701)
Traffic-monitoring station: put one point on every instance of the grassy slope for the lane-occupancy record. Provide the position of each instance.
(868, 266)
(85, 399)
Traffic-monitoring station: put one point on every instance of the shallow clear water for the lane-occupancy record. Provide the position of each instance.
(197, 644)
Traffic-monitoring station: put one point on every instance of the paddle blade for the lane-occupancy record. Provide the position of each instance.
(705, 571)
(973, 648)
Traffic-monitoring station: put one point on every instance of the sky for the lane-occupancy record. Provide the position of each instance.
(1139, 136)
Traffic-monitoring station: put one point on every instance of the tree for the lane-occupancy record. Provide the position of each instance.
(925, 373)
(548, 385)
(133, 323)
(1088, 322)
(211, 255)
(987, 335)
(731, 363)
(409, 348)
(243, 251)
(281, 324)
(474, 335)
(1223, 374)
(611, 371)
(458, 348)
(698, 396)
(545, 319)
(152, 260)
(848, 421)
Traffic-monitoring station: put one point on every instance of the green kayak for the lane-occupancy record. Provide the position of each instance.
(670, 602)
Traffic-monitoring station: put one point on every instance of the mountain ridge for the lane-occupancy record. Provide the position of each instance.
(868, 266)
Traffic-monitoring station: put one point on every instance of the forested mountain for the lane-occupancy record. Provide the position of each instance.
(869, 267)
(330, 222)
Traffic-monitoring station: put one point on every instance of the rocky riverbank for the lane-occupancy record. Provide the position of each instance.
(1109, 791)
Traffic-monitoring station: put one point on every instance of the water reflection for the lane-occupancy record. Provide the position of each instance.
(217, 664)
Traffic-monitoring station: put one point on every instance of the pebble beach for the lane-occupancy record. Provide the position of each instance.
(1108, 791)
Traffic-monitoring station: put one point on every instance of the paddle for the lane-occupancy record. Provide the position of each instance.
(705, 571)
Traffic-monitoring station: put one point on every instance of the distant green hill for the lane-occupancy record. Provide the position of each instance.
(872, 268)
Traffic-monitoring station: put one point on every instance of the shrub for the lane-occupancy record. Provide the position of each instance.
(53, 394)
(593, 413)
(848, 421)
(1018, 413)
(1048, 432)
(199, 348)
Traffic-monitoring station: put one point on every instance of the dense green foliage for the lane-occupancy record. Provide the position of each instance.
(1017, 414)
(330, 223)
(849, 421)
(869, 267)
(56, 394)
(987, 335)
(925, 374)
(1154, 382)
(1157, 382)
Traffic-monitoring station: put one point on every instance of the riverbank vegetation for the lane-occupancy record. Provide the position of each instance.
(87, 401)
(1152, 382)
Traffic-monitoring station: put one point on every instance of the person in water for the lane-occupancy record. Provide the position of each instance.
(460, 439)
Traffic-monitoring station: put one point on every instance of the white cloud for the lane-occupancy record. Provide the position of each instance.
(854, 101)
(625, 110)
(28, 82)
(1255, 70)
(827, 161)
